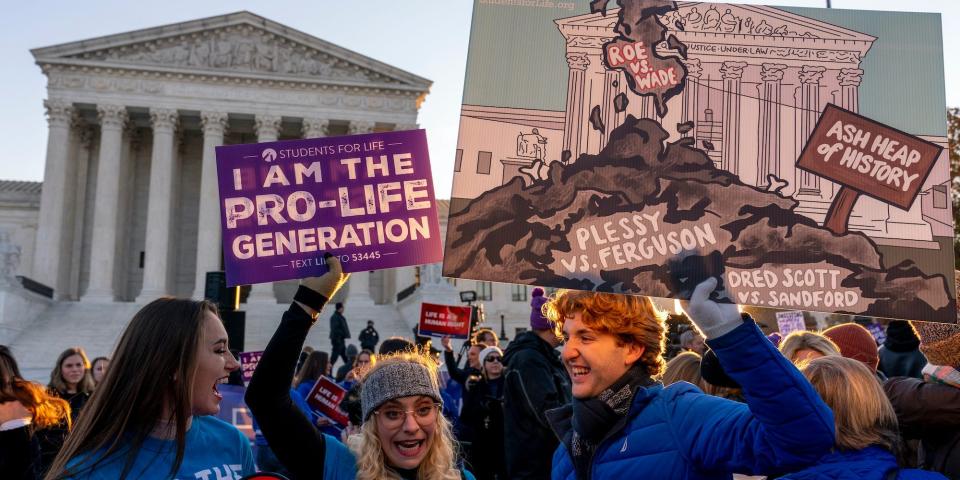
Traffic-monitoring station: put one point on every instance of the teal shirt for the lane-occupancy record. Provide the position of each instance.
(215, 450)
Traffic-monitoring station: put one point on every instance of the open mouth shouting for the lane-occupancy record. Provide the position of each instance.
(410, 448)
(216, 390)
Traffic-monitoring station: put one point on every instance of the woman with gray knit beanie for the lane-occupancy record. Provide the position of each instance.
(403, 435)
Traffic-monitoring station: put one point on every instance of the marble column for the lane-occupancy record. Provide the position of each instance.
(84, 148)
(575, 124)
(163, 171)
(809, 114)
(47, 267)
(268, 129)
(732, 72)
(103, 252)
(769, 136)
(358, 127)
(402, 127)
(315, 127)
(125, 289)
(214, 125)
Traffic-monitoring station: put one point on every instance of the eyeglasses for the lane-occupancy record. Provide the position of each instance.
(393, 417)
(490, 359)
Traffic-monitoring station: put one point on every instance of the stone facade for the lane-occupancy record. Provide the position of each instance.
(129, 206)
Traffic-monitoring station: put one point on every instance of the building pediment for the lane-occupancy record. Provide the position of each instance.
(239, 44)
(725, 19)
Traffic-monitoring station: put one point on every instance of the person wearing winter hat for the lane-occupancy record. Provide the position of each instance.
(482, 418)
(535, 381)
(900, 354)
(928, 409)
(856, 342)
(624, 424)
(403, 435)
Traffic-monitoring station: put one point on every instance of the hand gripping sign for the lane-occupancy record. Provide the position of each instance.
(366, 198)
(866, 157)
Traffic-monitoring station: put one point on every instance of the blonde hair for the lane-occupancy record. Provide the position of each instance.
(804, 340)
(862, 413)
(440, 461)
(685, 367)
(632, 319)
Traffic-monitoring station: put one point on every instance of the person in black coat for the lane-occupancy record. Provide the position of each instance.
(339, 333)
(482, 418)
(929, 409)
(535, 381)
(900, 354)
(471, 369)
(369, 337)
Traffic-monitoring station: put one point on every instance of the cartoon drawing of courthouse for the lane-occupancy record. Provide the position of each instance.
(750, 84)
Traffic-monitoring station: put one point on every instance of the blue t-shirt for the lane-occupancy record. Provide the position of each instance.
(215, 450)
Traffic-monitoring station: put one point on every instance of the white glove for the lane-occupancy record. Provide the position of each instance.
(712, 318)
(329, 283)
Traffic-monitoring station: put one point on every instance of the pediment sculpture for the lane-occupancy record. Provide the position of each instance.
(239, 49)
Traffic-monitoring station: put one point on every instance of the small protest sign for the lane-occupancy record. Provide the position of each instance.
(325, 398)
(866, 157)
(442, 320)
(368, 199)
(248, 364)
(789, 322)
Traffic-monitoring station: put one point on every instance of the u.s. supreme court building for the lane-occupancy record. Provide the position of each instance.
(128, 208)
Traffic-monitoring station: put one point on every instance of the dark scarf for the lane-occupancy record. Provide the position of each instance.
(407, 474)
(594, 418)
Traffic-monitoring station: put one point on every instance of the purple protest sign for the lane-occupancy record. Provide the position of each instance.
(367, 199)
(248, 364)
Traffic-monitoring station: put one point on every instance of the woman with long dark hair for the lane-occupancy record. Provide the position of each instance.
(315, 366)
(151, 417)
(33, 422)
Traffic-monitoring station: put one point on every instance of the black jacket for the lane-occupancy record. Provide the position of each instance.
(369, 338)
(20, 454)
(901, 364)
(338, 327)
(457, 374)
(929, 412)
(481, 419)
(535, 382)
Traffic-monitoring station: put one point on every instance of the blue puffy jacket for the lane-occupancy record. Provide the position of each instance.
(679, 432)
(871, 463)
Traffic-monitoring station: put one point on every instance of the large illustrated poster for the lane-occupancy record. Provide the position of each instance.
(600, 139)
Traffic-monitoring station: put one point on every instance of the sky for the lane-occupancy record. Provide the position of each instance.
(425, 37)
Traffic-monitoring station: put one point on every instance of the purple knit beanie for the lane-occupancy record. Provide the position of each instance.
(537, 320)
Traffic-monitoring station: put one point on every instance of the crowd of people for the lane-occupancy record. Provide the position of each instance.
(592, 390)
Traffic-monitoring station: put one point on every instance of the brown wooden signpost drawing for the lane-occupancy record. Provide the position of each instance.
(866, 157)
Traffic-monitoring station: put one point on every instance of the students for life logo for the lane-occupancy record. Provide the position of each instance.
(269, 155)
